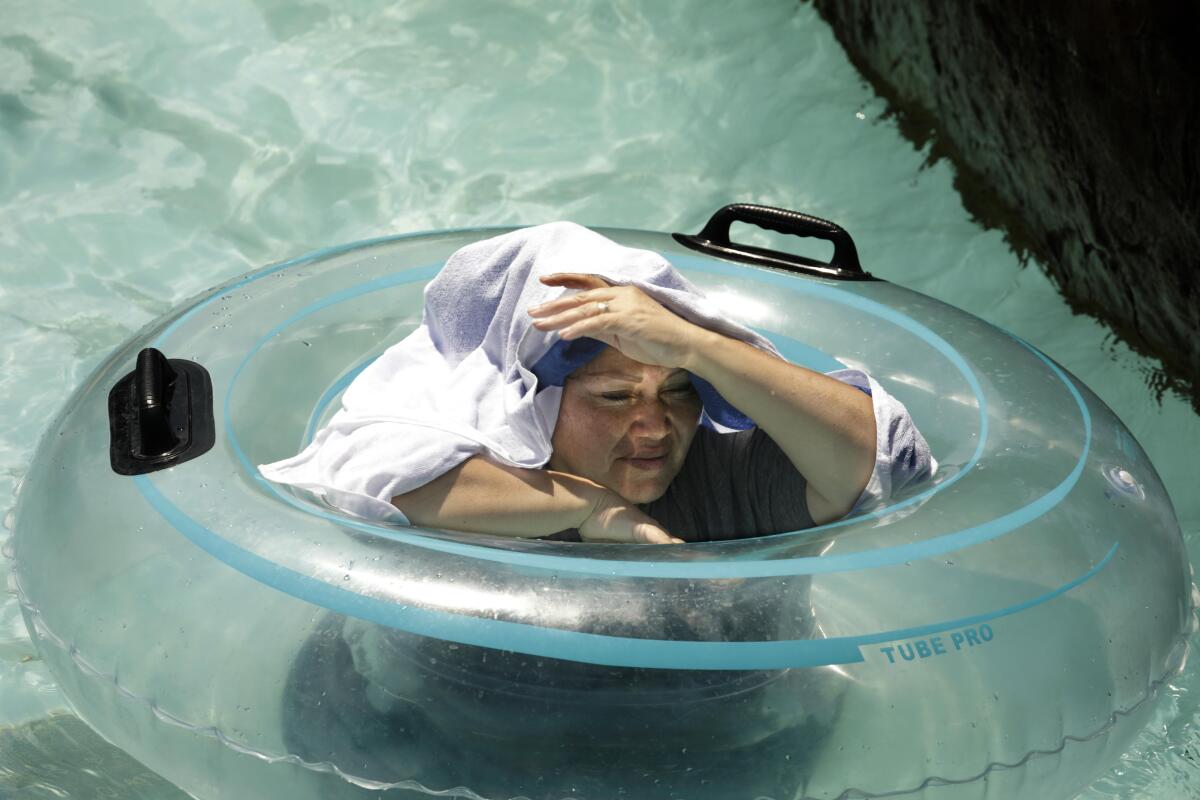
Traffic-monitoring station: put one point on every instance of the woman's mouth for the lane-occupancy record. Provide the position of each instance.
(652, 462)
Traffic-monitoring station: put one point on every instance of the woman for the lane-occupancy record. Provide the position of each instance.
(609, 403)
(629, 418)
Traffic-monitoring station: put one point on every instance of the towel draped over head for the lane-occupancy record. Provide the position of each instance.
(477, 378)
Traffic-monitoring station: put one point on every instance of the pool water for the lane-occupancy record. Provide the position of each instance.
(148, 151)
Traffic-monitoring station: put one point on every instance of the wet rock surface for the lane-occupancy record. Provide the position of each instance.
(1073, 127)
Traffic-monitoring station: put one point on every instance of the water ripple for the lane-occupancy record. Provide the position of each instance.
(148, 151)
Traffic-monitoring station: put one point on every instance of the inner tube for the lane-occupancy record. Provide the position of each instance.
(1000, 631)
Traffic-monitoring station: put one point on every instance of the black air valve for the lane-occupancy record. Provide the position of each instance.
(160, 414)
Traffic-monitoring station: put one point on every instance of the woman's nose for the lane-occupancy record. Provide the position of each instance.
(651, 417)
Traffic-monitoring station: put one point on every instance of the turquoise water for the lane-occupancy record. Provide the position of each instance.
(150, 151)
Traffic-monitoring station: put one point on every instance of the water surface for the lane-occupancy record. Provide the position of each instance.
(148, 151)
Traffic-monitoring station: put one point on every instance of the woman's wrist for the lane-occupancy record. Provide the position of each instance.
(587, 497)
(702, 346)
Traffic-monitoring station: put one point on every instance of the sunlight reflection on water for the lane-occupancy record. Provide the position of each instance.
(149, 152)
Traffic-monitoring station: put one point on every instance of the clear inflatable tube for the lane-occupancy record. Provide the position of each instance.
(998, 633)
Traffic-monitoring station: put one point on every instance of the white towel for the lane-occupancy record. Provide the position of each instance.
(902, 456)
(473, 377)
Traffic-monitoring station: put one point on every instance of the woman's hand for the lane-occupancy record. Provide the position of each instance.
(623, 317)
(615, 519)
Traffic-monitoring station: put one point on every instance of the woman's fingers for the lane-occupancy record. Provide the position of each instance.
(623, 317)
(589, 327)
(572, 316)
(652, 534)
(566, 314)
(588, 286)
(571, 302)
(575, 280)
(579, 307)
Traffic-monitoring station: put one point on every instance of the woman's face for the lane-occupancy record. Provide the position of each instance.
(625, 425)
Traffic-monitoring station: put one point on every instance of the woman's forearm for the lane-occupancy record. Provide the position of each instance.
(826, 428)
(482, 496)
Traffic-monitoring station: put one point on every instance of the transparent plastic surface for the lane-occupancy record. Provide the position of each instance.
(1010, 621)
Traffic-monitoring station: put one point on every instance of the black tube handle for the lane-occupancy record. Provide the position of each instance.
(781, 220)
(714, 239)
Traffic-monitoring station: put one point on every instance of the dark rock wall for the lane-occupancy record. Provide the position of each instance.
(1075, 126)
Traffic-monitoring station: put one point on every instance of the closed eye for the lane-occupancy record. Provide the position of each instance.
(685, 390)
